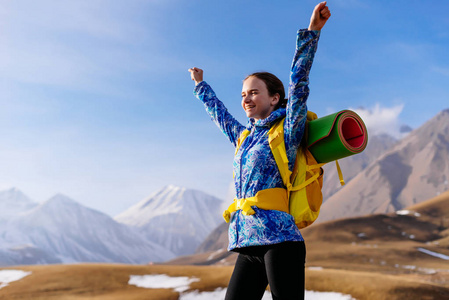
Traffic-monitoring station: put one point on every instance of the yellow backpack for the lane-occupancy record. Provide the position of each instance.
(302, 197)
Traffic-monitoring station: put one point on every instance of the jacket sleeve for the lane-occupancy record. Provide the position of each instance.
(298, 91)
(218, 112)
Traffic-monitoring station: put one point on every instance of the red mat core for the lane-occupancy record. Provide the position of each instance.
(352, 132)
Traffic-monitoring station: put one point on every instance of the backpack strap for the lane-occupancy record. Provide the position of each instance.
(241, 138)
(263, 200)
(340, 174)
(277, 146)
(310, 169)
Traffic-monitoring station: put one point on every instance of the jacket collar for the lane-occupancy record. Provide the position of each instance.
(267, 122)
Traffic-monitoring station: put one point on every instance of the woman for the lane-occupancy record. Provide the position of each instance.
(270, 246)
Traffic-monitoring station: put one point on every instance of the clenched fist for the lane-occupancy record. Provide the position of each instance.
(320, 15)
(196, 74)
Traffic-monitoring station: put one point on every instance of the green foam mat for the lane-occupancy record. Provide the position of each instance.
(336, 136)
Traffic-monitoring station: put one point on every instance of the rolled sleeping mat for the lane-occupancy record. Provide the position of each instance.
(336, 136)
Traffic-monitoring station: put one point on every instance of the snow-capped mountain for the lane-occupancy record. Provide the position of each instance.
(62, 230)
(176, 218)
(13, 202)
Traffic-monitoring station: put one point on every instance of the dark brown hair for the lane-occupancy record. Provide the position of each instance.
(274, 86)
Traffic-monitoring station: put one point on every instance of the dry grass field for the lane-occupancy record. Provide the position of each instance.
(373, 257)
(108, 281)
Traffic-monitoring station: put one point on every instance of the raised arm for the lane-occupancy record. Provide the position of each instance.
(215, 108)
(306, 45)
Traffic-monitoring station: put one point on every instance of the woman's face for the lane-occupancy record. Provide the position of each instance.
(256, 101)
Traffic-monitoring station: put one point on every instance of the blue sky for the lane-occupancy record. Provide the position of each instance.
(96, 101)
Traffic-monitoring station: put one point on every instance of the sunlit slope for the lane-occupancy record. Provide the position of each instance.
(412, 171)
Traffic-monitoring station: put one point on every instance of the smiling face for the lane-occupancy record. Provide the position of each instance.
(256, 100)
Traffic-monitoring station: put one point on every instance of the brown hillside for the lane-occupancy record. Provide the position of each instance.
(353, 165)
(386, 243)
(380, 245)
(437, 207)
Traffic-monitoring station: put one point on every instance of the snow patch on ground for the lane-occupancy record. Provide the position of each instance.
(315, 268)
(312, 295)
(434, 254)
(405, 212)
(219, 294)
(182, 284)
(179, 284)
(8, 276)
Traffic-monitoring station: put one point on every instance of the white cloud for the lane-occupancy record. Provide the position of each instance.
(379, 119)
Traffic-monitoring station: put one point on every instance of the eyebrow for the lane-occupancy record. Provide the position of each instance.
(252, 90)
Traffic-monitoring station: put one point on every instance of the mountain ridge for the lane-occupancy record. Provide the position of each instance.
(60, 230)
(175, 217)
(411, 171)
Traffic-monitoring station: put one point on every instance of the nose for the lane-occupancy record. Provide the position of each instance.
(246, 99)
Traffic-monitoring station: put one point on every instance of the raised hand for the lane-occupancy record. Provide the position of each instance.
(196, 74)
(320, 15)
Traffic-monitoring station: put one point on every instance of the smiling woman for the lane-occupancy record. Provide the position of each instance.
(270, 246)
(262, 93)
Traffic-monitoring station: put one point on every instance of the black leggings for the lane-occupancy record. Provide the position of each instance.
(280, 265)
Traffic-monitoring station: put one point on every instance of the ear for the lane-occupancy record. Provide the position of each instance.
(275, 99)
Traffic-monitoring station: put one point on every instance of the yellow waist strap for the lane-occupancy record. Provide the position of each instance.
(269, 199)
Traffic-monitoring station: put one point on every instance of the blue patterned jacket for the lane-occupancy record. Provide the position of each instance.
(254, 166)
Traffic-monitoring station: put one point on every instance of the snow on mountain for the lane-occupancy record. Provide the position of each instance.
(61, 230)
(13, 202)
(175, 217)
